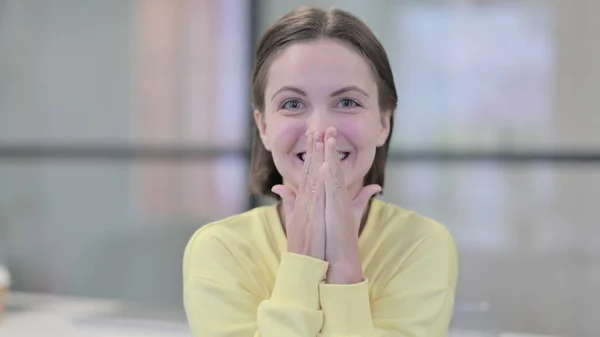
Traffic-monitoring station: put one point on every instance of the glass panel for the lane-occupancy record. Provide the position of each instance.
(473, 75)
(485, 74)
(66, 71)
(124, 72)
(113, 229)
(527, 235)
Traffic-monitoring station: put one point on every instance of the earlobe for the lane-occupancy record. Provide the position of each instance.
(259, 119)
(384, 132)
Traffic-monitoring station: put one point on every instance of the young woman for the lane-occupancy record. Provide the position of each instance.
(328, 259)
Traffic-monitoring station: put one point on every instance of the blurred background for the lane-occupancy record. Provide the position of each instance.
(125, 126)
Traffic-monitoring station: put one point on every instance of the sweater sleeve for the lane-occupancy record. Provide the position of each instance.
(221, 296)
(294, 308)
(417, 301)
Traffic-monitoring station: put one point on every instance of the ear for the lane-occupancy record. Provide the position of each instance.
(384, 131)
(259, 119)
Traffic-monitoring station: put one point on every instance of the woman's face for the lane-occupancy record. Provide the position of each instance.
(312, 86)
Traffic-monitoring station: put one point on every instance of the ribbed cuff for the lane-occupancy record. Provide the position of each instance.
(298, 280)
(346, 309)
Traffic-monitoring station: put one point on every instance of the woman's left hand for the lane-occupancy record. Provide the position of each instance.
(343, 217)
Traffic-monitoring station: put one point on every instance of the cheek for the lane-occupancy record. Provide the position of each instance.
(361, 133)
(283, 134)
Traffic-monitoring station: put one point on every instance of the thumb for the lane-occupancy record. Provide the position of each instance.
(363, 196)
(287, 196)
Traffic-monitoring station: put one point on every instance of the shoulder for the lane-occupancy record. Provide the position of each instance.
(410, 236)
(416, 241)
(236, 225)
(223, 239)
(396, 221)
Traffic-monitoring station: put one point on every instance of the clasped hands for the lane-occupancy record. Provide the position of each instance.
(322, 220)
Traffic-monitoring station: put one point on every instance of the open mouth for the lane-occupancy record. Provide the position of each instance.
(342, 155)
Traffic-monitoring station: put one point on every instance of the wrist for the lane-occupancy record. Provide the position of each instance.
(345, 274)
(299, 250)
(306, 250)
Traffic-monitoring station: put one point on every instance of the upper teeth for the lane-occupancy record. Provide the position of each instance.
(341, 155)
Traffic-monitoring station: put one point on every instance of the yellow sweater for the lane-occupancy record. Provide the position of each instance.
(240, 281)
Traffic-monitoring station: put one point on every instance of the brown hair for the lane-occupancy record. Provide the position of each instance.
(310, 23)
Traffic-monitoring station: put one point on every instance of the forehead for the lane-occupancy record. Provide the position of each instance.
(322, 64)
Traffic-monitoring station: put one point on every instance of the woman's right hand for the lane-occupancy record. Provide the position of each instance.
(304, 210)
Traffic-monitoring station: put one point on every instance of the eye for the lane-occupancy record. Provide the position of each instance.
(348, 103)
(292, 104)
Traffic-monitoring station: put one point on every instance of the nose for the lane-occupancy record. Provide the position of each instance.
(320, 120)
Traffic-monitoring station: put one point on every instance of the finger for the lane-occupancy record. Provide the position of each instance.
(321, 190)
(320, 223)
(331, 132)
(331, 186)
(307, 161)
(364, 195)
(288, 198)
(316, 161)
(330, 147)
(333, 158)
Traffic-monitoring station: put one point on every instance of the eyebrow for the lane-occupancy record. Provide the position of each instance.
(296, 90)
(349, 88)
(333, 94)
